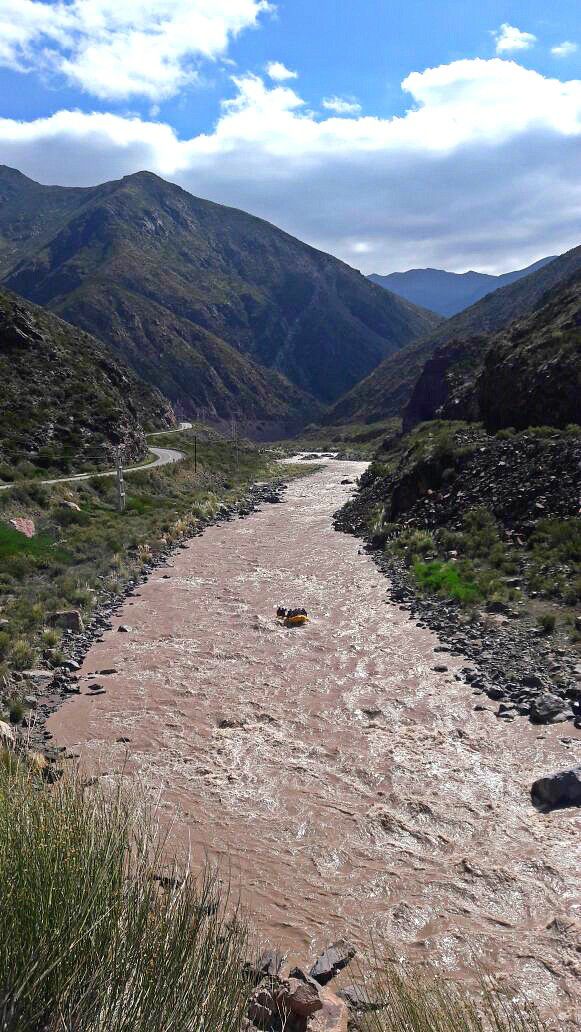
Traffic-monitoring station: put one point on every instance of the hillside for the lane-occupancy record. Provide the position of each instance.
(449, 292)
(532, 371)
(219, 309)
(66, 401)
(418, 372)
(447, 379)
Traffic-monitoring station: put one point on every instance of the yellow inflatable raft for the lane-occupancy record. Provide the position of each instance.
(295, 621)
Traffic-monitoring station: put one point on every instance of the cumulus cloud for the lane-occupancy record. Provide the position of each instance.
(509, 38)
(482, 169)
(342, 105)
(278, 72)
(121, 48)
(564, 49)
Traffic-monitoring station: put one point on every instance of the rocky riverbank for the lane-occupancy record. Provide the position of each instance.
(45, 689)
(495, 519)
(509, 661)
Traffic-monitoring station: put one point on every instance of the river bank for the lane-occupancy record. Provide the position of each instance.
(337, 774)
(49, 689)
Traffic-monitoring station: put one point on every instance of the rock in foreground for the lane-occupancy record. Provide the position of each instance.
(557, 790)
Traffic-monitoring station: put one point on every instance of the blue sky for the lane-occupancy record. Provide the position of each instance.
(474, 163)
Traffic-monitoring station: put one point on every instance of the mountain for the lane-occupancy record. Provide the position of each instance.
(65, 399)
(449, 292)
(217, 308)
(531, 374)
(458, 353)
(415, 381)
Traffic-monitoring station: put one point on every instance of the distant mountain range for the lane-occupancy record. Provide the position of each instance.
(219, 310)
(448, 293)
(418, 380)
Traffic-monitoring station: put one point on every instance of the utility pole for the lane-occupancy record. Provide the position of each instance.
(120, 483)
(235, 440)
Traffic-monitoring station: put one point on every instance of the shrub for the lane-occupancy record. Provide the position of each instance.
(21, 654)
(50, 637)
(447, 579)
(547, 622)
(16, 710)
(88, 938)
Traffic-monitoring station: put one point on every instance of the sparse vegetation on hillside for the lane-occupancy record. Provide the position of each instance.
(217, 308)
(476, 516)
(77, 552)
(66, 402)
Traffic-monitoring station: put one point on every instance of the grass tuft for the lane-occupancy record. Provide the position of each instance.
(88, 939)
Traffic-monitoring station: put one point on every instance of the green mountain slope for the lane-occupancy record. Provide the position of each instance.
(212, 304)
(416, 378)
(65, 400)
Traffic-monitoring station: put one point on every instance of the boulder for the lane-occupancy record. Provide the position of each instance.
(269, 963)
(549, 709)
(7, 736)
(555, 791)
(70, 619)
(333, 960)
(24, 526)
(333, 1016)
(262, 1006)
(358, 999)
(299, 998)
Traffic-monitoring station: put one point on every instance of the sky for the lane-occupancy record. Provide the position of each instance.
(392, 134)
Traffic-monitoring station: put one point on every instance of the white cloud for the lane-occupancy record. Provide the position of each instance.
(565, 49)
(122, 48)
(277, 71)
(509, 38)
(482, 170)
(342, 105)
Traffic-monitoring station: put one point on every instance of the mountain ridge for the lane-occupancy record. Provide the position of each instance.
(448, 293)
(212, 304)
(413, 381)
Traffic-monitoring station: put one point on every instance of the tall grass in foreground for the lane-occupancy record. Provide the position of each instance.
(89, 941)
(415, 1001)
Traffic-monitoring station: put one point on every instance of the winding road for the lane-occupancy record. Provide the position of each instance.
(164, 457)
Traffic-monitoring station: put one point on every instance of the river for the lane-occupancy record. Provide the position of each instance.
(342, 781)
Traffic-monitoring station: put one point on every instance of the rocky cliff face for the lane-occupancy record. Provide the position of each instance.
(447, 386)
(219, 309)
(65, 399)
(419, 378)
(532, 373)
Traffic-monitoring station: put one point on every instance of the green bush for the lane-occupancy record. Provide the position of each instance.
(447, 579)
(16, 710)
(547, 622)
(21, 654)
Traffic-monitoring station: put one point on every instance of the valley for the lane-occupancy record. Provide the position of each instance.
(293, 434)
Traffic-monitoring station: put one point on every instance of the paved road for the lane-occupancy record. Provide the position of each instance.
(164, 457)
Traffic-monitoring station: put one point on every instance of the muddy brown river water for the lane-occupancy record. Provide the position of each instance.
(347, 786)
